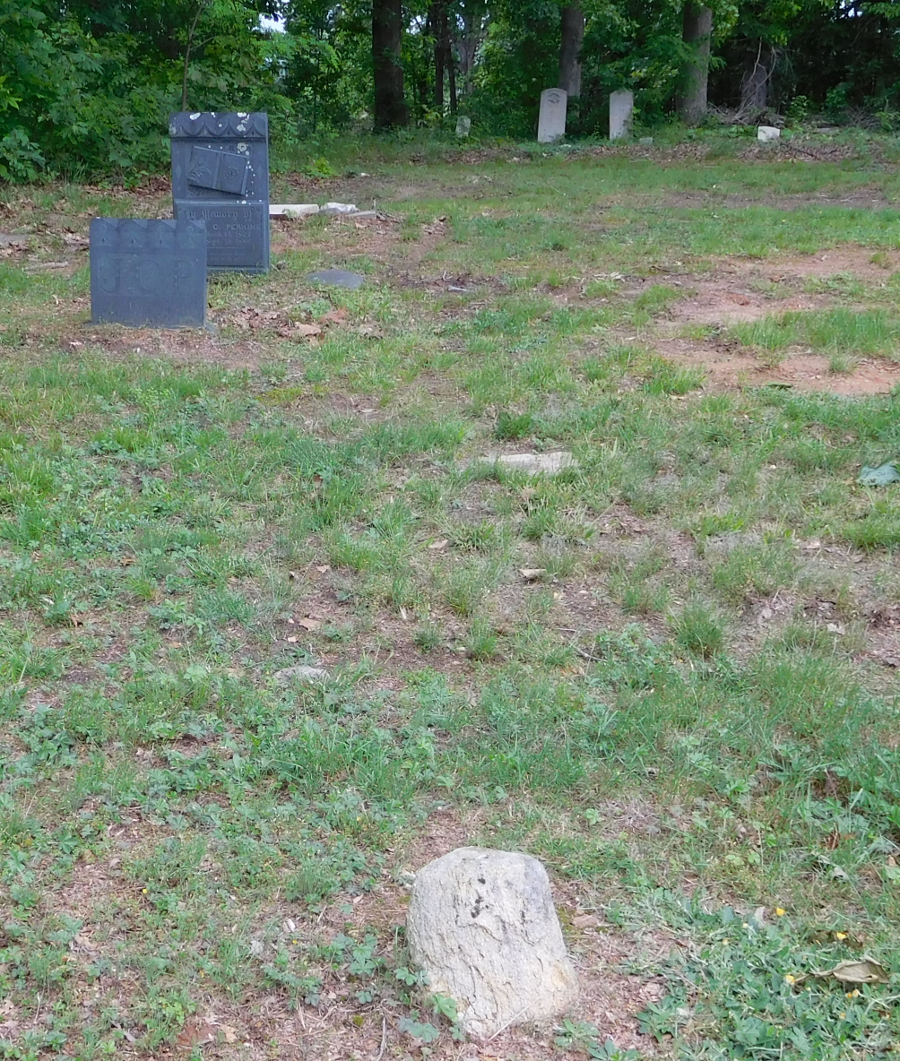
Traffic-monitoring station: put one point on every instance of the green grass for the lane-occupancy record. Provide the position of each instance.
(660, 671)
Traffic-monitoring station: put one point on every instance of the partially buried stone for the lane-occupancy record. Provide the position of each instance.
(538, 463)
(292, 209)
(482, 926)
(148, 273)
(220, 174)
(337, 278)
(300, 673)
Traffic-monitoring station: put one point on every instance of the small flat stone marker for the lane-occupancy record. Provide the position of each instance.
(220, 175)
(292, 209)
(552, 119)
(339, 208)
(621, 109)
(337, 278)
(300, 673)
(538, 463)
(148, 274)
(766, 133)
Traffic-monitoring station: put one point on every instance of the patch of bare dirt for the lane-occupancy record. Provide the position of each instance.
(728, 368)
(183, 346)
(341, 1027)
(746, 290)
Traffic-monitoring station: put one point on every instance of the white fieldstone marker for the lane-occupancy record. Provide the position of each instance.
(552, 120)
(482, 926)
(463, 125)
(621, 109)
(767, 133)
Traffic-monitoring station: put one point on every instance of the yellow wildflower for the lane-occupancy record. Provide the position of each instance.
(840, 935)
(789, 979)
(779, 911)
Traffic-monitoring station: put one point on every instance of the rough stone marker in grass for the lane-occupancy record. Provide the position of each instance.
(482, 926)
(220, 175)
(148, 273)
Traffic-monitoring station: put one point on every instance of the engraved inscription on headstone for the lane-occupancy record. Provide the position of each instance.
(552, 120)
(148, 273)
(220, 175)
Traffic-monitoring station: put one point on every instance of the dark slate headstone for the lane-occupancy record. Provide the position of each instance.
(337, 278)
(220, 175)
(148, 273)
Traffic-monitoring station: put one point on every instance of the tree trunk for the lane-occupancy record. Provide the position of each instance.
(755, 83)
(570, 50)
(387, 37)
(697, 34)
(187, 54)
(451, 66)
(434, 23)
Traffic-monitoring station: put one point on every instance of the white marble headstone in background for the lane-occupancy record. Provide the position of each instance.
(621, 108)
(552, 121)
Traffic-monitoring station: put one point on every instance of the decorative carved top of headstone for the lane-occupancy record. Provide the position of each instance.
(552, 120)
(220, 175)
(148, 273)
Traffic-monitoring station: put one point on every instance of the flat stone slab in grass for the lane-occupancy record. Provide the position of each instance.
(337, 278)
(300, 673)
(292, 209)
(538, 463)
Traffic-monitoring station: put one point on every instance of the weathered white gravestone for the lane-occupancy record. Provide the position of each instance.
(552, 120)
(621, 108)
(482, 926)
(463, 125)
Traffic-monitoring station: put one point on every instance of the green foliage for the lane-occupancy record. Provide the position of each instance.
(745, 990)
(88, 89)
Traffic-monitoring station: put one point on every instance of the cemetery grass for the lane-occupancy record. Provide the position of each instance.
(668, 671)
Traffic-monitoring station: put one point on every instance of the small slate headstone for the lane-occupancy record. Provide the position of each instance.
(621, 109)
(148, 273)
(337, 278)
(552, 119)
(220, 175)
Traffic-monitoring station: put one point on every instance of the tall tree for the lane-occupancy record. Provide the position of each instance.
(391, 110)
(439, 24)
(572, 38)
(696, 31)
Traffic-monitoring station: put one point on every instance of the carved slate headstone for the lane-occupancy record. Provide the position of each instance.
(220, 175)
(148, 273)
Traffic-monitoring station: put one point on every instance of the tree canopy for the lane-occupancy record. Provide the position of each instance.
(86, 85)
